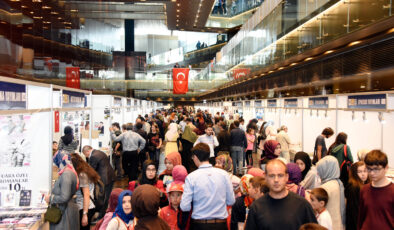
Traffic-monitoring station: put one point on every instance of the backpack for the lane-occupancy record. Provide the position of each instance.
(345, 167)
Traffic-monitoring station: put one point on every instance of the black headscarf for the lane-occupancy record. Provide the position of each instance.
(68, 135)
(143, 179)
(307, 161)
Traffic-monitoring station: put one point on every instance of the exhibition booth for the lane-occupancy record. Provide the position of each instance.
(367, 119)
(26, 123)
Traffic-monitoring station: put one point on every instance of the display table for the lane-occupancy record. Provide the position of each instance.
(23, 218)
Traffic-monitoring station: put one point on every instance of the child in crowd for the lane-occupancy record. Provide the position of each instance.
(242, 203)
(358, 177)
(170, 213)
(376, 198)
(173, 159)
(318, 200)
(249, 149)
(123, 217)
(258, 187)
(112, 204)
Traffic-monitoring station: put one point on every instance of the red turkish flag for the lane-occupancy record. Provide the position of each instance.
(180, 81)
(57, 122)
(72, 77)
(240, 73)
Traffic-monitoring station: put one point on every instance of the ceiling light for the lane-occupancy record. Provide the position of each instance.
(307, 59)
(391, 30)
(32, 12)
(293, 64)
(173, 0)
(177, 25)
(74, 10)
(177, 16)
(46, 7)
(46, 22)
(24, 6)
(36, 0)
(60, 18)
(328, 51)
(37, 17)
(177, 10)
(178, 4)
(177, 20)
(15, 0)
(354, 43)
(54, 13)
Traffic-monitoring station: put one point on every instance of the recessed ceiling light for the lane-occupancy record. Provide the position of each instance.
(23, 6)
(177, 10)
(178, 4)
(54, 12)
(307, 59)
(177, 15)
(46, 7)
(328, 51)
(73, 10)
(354, 43)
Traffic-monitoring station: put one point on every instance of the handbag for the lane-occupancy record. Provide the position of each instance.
(53, 214)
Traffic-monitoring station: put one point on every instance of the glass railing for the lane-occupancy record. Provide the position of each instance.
(288, 30)
(167, 58)
(231, 8)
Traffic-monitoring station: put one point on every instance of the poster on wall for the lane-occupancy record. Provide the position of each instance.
(24, 174)
(57, 121)
(12, 96)
(15, 160)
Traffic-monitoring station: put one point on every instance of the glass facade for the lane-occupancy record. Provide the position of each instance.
(295, 27)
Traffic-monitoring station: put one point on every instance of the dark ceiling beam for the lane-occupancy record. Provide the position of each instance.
(121, 15)
(110, 7)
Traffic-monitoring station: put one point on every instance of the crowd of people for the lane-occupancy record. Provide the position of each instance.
(218, 174)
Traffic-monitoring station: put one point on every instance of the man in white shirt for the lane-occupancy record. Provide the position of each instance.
(210, 139)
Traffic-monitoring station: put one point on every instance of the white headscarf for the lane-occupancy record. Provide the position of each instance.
(328, 169)
(172, 132)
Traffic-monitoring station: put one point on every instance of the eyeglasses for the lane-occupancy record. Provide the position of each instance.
(375, 170)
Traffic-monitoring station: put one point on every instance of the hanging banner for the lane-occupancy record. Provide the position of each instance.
(72, 77)
(318, 102)
(271, 103)
(180, 80)
(73, 99)
(12, 96)
(57, 122)
(240, 73)
(291, 103)
(373, 101)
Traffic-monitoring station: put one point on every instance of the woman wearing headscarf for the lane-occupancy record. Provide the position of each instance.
(171, 138)
(271, 151)
(149, 176)
(173, 159)
(68, 143)
(225, 162)
(310, 179)
(63, 191)
(187, 141)
(112, 204)
(200, 124)
(242, 203)
(328, 170)
(122, 219)
(179, 174)
(145, 202)
(295, 178)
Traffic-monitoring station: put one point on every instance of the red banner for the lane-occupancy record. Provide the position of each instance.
(240, 73)
(72, 77)
(57, 122)
(180, 81)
